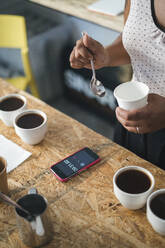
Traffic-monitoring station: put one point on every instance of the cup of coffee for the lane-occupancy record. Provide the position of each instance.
(131, 95)
(10, 106)
(31, 126)
(3, 176)
(156, 211)
(132, 186)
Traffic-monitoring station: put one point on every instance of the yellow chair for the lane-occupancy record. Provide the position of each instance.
(13, 35)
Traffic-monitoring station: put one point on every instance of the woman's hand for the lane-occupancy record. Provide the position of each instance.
(86, 49)
(145, 120)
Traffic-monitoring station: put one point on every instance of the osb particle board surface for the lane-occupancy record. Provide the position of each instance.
(78, 8)
(84, 211)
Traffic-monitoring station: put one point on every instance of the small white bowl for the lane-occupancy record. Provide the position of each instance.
(131, 95)
(35, 135)
(156, 222)
(128, 200)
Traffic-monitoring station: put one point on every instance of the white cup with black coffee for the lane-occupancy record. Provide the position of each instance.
(132, 186)
(156, 211)
(10, 106)
(31, 126)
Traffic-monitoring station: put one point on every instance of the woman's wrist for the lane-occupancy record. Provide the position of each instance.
(107, 59)
(115, 56)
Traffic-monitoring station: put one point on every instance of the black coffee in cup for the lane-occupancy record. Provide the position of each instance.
(157, 205)
(133, 181)
(33, 203)
(11, 103)
(31, 120)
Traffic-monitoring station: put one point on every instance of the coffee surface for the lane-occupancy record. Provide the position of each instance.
(29, 121)
(133, 181)
(158, 205)
(34, 203)
(11, 103)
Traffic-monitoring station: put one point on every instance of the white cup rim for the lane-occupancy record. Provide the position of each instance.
(151, 196)
(131, 100)
(134, 167)
(37, 111)
(23, 98)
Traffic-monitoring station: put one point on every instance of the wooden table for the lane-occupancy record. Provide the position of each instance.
(84, 211)
(78, 8)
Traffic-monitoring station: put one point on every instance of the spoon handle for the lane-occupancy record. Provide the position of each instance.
(91, 61)
(11, 202)
(93, 69)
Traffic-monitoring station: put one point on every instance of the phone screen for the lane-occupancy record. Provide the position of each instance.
(75, 163)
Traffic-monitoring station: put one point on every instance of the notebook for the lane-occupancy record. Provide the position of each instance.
(108, 7)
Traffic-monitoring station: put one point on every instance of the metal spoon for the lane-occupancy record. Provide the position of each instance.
(7, 199)
(96, 86)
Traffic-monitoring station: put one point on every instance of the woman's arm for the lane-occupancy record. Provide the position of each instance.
(116, 52)
(87, 48)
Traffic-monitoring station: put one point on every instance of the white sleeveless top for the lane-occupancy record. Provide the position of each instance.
(144, 40)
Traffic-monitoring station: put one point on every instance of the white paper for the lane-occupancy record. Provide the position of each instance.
(13, 153)
(109, 7)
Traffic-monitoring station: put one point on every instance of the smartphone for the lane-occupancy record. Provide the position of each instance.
(74, 164)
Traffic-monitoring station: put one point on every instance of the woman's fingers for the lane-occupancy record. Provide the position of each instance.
(86, 49)
(76, 61)
(136, 126)
(92, 45)
(127, 123)
(80, 58)
(82, 50)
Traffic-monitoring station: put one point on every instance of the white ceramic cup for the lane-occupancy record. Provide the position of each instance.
(128, 200)
(131, 95)
(8, 116)
(157, 223)
(35, 135)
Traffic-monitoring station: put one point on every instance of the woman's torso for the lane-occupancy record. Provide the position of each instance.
(144, 40)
